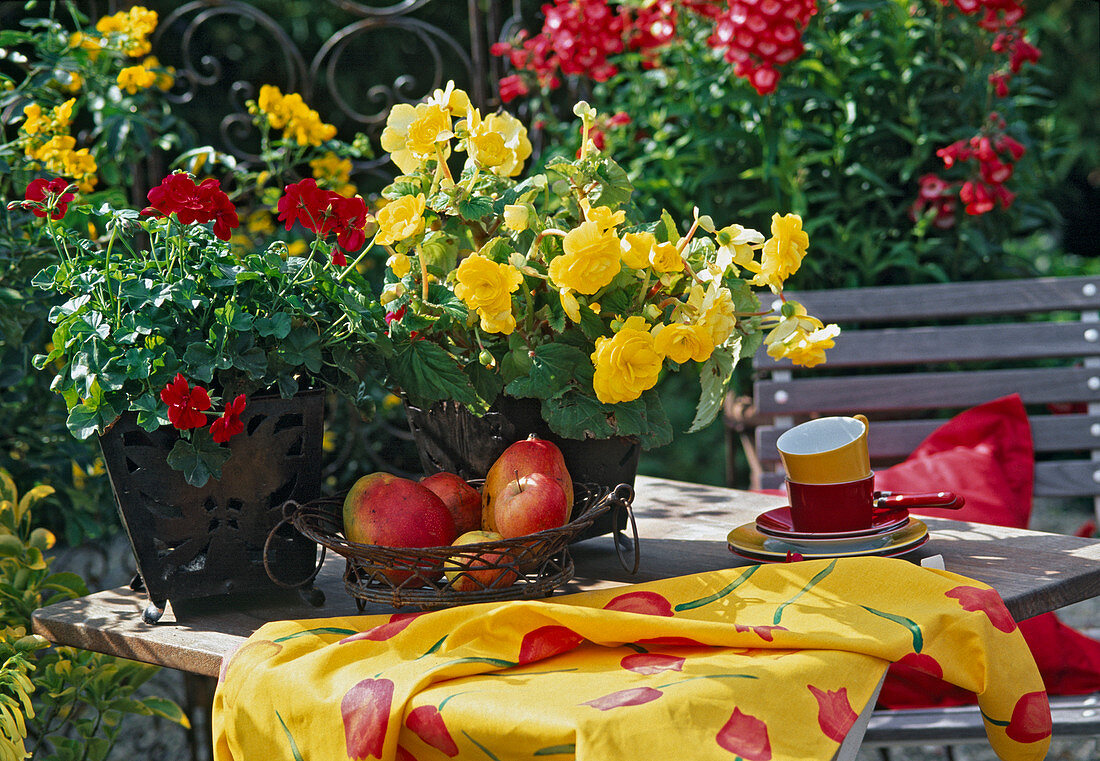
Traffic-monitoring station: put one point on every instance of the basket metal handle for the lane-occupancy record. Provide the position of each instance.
(621, 498)
(290, 507)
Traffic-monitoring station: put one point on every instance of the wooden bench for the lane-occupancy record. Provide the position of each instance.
(909, 358)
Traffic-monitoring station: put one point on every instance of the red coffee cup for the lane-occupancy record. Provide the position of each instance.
(829, 508)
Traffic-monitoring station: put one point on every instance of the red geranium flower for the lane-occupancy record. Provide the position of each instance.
(178, 194)
(185, 404)
(306, 203)
(229, 424)
(351, 218)
(43, 191)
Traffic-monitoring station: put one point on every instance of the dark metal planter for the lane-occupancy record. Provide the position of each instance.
(199, 542)
(448, 437)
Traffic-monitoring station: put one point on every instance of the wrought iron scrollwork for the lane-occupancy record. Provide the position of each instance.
(378, 55)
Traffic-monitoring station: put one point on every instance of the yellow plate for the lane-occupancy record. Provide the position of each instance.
(748, 541)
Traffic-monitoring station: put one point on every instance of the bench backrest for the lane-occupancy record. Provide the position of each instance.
(910, 357)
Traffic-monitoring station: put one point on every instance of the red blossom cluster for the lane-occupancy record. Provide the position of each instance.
(576, 38)
(43, 193)
(186, 405)
(325, 211)
(995, 154)
(996, 14)
(760, 35)
(207, 202)
(1002, 17)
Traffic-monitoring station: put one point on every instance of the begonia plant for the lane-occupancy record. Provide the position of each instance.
(554, 287)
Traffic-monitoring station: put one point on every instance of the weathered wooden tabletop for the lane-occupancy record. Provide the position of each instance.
(683, 530)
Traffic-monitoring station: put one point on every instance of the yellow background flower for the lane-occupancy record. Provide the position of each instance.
(134, 78)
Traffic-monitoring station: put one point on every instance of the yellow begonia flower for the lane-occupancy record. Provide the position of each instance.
(515, 140)
(801, 344)
(432, 125)
(714, 310)
(680, 342)
(636, 248)
(394, 137)
(498, 142)
(134, 78)
(453, 99)
(735, 248)
(516, 217)
(401, 219)
(400, 264)
(627, 364)
(591, 259)
(783, 252)
(487, 287)
(604, 217)
(665, 257)
(570, 304)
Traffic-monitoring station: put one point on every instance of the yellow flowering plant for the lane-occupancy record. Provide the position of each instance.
(553, 286)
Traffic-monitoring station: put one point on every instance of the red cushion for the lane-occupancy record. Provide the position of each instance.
(986, 455)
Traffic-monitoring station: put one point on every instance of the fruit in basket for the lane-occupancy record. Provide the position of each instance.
(530, 455)
(389, 511)
(462, 575)
(530, 503)
(460, 498)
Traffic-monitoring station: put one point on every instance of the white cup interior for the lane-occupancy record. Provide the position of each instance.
(821, 435)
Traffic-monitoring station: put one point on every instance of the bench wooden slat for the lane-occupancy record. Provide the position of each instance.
(916, 391)
(1066, 478)
(894, 440)
(951, 300)
(955, 343)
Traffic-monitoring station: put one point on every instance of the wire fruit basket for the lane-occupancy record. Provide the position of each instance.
(524, 567)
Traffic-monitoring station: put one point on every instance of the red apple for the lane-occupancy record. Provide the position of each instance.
(531, 503)
(388, 511)
(531, 455)
(463, 580)
(460, 498)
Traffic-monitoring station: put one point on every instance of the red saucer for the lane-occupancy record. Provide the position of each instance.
(778, 523)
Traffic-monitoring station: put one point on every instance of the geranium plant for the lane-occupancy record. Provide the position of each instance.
(554, 286)
(159, 316)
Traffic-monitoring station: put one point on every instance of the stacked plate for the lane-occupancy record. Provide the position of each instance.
(773, 538)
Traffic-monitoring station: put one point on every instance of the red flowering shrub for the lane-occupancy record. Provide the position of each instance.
(760, 35)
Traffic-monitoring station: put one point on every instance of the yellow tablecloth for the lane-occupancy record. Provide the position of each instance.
(757, 663)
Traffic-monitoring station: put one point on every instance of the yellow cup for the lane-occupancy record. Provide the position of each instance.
(827, 450)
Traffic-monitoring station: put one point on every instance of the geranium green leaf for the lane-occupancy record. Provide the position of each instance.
(302, 348)
(90, 417)
(152, 413)
(233, 317)
(714, 377)
(132, 326)
(552, 368)
(614, 188)
(71, 306)
(199, 459)
(277, 325)
(201, 359)
(253, 361)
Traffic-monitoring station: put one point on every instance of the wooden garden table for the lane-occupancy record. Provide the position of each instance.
(682, 529)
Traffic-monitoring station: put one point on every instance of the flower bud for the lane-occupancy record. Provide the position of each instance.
(486, 358)
(515, 217)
